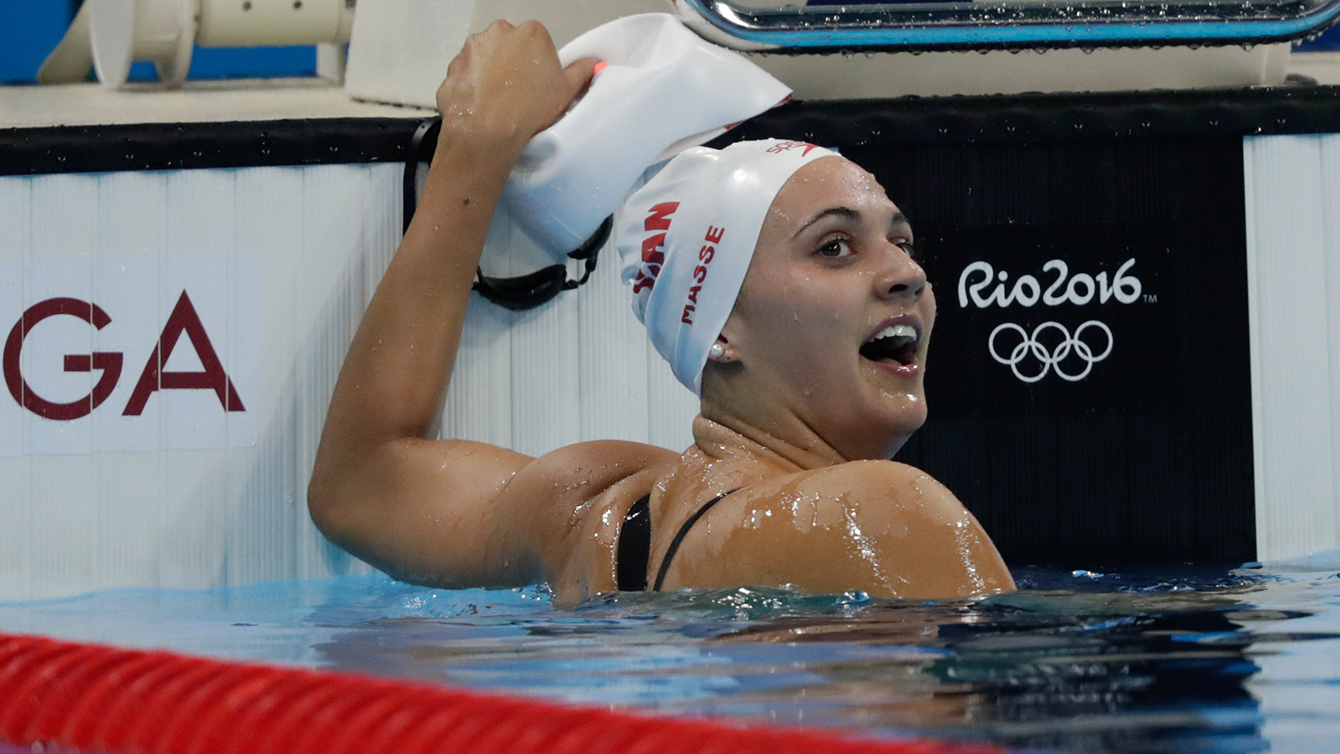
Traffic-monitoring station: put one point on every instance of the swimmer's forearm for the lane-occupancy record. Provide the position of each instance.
(412, 329)
(396, 373)
(505, 87)
(421, 508)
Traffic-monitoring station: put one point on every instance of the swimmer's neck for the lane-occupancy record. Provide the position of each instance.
(786, 440)
(724, 437)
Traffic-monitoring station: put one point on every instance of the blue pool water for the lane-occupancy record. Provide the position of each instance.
(1188, 660)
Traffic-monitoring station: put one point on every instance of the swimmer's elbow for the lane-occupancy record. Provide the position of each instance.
(333, 500)
(338, 505)
(324, 508)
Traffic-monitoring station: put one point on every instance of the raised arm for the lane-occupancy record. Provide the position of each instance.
(422, 509)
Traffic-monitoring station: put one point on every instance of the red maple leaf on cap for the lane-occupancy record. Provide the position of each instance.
(789, 145)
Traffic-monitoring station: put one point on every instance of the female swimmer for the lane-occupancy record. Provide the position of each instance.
(802, 399)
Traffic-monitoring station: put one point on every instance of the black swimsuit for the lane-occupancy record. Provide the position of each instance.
(635, 544)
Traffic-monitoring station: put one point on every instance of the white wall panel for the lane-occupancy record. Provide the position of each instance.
(545, 396)
(612, 347)
(278, 264)
(62, 473)
(1293, 266)
(479, 402)
(15, 534)
(331, 295)
(200, 222)
(265, 523)
(1323, 519)
(59, 263)
(132, 241)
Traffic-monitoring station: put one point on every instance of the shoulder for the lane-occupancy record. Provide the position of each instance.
(584, 470)
(881, 493)
(891, 484)
(563, 488)
(880, 526)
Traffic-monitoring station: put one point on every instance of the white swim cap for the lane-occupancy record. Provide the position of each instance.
(686, 238)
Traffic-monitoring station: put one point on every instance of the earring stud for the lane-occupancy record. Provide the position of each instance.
(717, 351)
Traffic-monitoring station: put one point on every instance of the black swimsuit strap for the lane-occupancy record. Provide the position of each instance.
(679, 537)
(635, 547)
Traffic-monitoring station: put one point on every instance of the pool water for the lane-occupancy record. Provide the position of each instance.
(1186, 660)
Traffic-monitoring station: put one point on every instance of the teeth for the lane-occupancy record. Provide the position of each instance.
(896, 331)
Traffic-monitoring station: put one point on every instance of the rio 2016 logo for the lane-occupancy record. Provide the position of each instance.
(1049, 347)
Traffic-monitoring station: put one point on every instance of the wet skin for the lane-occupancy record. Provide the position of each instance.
(793, 415)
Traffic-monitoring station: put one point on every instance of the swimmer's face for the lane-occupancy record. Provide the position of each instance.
(833, 269)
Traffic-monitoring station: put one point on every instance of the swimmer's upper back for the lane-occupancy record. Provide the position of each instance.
(879, 526)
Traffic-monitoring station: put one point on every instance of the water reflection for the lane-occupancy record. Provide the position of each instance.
(1050, 671)
(1173, 661)
(1075, 662)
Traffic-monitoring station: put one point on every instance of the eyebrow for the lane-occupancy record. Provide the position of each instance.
(847, 213)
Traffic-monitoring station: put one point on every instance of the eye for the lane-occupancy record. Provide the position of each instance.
(908, 248)
(835, 248)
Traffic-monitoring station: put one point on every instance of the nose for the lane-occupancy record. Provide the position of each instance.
(900, 278)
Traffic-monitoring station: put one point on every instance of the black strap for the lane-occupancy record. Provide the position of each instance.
(683, 531)
(635, 547)
(426, 133)
(533, 289)
(516, 293)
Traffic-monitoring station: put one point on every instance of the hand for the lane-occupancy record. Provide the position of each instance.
(507, 85)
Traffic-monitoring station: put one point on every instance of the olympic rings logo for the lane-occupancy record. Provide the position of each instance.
(1031, 348)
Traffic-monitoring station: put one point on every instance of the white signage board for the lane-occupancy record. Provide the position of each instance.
(159, 357)
(170, 340)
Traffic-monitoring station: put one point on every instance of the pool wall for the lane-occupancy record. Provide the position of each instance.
(260, 243)
(192, 472)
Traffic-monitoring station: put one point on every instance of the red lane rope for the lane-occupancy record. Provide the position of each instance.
(93, 698)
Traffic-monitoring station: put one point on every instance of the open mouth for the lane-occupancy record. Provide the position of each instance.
(894, 344)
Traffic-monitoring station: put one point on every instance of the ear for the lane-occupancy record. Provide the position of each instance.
(721, 351)
(728, 339)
